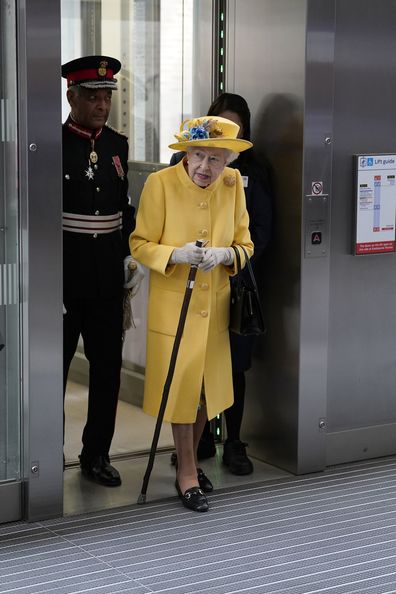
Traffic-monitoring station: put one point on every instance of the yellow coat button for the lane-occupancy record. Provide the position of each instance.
(204, 232)
(204, 313)
(203, 205)
(204, 286)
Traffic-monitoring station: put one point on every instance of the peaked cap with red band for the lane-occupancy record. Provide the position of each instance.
(92, 72)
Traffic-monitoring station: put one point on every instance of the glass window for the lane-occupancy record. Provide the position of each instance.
(9, 253)
(159, 44)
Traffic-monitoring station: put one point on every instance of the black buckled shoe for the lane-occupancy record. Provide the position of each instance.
(99, 470)
(193, 498)
(203, 481)
(234, 456)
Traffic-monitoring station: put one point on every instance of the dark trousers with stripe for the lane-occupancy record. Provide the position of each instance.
(99, 322)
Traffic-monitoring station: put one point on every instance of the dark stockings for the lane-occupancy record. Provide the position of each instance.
(234, 414)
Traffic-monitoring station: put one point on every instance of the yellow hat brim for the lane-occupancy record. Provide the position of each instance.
(236, 145)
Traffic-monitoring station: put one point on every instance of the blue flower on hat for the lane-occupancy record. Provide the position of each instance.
(198, 133)
(199, 129)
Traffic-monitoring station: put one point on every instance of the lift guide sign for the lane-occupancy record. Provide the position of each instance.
(375, 204)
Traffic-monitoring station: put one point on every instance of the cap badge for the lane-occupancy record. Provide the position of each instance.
(102, 70)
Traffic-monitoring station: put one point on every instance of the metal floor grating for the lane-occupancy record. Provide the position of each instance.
(333, 532)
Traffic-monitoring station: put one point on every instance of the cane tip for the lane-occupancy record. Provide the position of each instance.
(141, 498)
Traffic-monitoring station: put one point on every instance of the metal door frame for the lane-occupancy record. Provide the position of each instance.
(10, 483)
(40, 179)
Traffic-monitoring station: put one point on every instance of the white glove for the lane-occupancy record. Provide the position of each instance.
(188, 254)
(214, 256)
(133, 276)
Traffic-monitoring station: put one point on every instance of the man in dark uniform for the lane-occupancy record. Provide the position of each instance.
(97, 222)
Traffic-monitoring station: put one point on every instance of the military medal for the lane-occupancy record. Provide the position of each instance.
(93, 155)
(117, 163)
(89, 172)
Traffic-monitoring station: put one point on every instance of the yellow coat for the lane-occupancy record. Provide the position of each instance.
(172, 212)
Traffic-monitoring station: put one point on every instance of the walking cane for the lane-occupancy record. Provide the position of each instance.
(169, 377)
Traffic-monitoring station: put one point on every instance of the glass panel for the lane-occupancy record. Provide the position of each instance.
(9, 253)
(153, 39)
(160, 44)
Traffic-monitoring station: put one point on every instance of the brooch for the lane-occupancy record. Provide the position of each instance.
(229, 180)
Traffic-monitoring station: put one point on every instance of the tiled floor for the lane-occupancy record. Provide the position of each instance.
(331, 533)
(134, 431)
(82, 496)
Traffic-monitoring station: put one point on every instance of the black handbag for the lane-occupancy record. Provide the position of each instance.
(246, 315)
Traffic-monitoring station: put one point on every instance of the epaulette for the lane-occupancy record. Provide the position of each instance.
(116, 131)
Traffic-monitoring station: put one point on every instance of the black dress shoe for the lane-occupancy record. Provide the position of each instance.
(203, 481)
(193, 498)
(99, 470)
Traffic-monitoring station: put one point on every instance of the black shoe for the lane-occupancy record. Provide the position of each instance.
(235, 457)
(206, 446)
(203, 481)
(193, 498)
(99, 470)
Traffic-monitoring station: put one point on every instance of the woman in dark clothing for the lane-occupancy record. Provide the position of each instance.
(258, 202)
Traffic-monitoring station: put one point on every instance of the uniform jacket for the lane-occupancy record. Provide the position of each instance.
(173, 211)
(93, 263)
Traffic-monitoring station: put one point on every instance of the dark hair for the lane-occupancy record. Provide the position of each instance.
(235, 103)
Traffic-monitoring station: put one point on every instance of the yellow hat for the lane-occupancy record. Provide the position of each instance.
(210, 131)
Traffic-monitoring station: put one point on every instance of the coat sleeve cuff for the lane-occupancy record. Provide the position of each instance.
(163, 266)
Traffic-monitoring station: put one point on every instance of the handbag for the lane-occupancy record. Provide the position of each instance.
(246, 315)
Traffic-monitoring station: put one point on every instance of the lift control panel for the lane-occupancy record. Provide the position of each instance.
(316, 217)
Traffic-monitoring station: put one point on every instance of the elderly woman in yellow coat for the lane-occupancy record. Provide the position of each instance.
(199, 198)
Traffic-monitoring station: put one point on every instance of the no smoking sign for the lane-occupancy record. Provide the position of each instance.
(317, 188)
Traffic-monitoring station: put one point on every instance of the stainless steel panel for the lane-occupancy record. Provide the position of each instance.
(41, 206)
(316, 224)
(360, 443)
(362, 351)
(281, 60)
(314, 314)
(266, 56)
(266, 64)
(11, 502)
